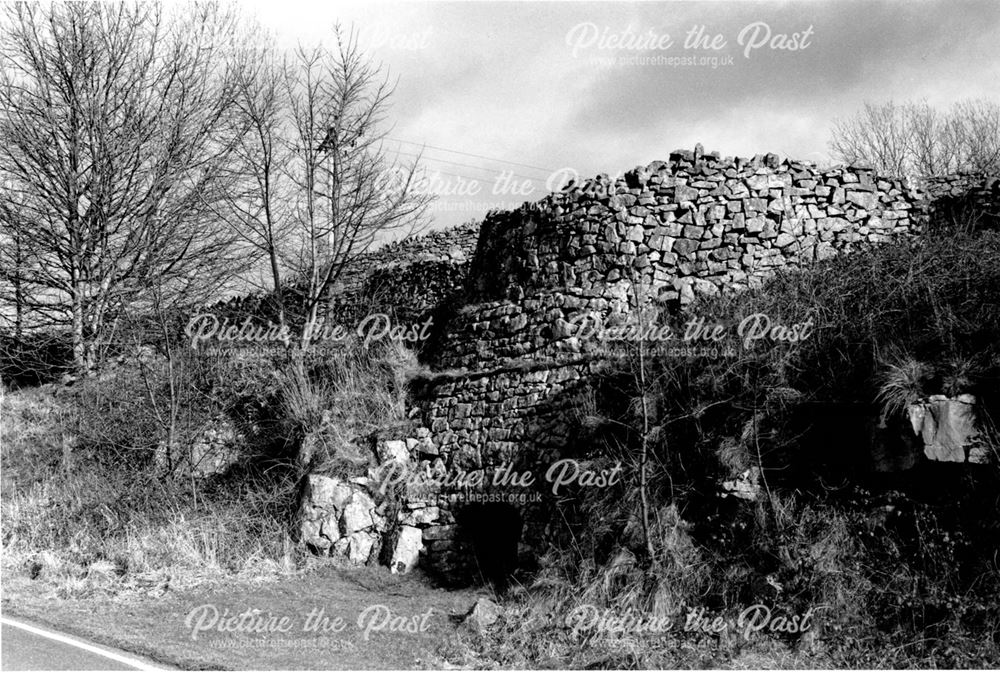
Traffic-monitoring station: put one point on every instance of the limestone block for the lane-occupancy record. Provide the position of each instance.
(409, 544)
(685, 193)
(359, 547)
(326, 492)
(422, 516)
(866, 200)
(357, 514)
(946, 425)
(484, 613)
(394, 449)
(784, 240)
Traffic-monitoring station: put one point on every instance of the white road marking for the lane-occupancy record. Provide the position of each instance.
(69, 640)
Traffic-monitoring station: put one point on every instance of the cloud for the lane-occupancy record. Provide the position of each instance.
(500, 79)
(857, 51)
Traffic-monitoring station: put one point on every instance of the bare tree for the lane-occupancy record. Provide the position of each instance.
(257, 207)
(320, 187)
(14, 264)
(646, 403)
(876, 135)
(977, 131)
(917, 139)
(115, 128)
(931, 147)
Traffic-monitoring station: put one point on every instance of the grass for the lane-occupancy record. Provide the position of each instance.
(99, 542)
(329, 403)
(79, 522)
(87, 509)
(154, 624)
(886, 591)
(901, 567)
(902, 381)
(82, 535)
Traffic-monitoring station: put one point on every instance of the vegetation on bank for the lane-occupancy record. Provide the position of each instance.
(899, 568)
(102, 486)
(243, 162)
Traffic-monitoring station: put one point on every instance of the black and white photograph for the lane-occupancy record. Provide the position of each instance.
(499, 335)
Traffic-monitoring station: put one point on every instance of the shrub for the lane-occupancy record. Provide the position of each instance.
(886, 560)
(34, 358)
(89, 524)
(331, 403)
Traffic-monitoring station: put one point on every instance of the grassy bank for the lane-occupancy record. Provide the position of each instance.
(161, 473)
(81, 525)
(896, 561)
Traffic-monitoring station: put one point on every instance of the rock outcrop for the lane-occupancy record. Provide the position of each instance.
(341, 517)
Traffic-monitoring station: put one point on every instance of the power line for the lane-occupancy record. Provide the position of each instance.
(470, 154)
(467, 177)
(476, 168)
(514, 197)
(457, 163)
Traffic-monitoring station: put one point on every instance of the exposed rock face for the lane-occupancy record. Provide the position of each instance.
(213, 450)
(358, 514)
(394, 450)
(217, 448)
(947, 427)
(341, 518)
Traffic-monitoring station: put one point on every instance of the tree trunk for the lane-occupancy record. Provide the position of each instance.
(19, 297)
(276, 275)
(79, 341)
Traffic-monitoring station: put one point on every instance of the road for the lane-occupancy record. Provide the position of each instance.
(28, 647)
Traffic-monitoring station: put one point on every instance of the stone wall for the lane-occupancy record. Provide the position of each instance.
(511, 374)
(963, 200)
(407, 291)
(697, 224)
(408, 278)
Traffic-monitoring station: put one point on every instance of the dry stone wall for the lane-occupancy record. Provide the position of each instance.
(963, 200)
(454, 246)
(510, 370)
(408, 278)
(697, 224)
(409, 292)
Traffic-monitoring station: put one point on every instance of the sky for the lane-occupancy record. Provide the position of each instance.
(507, 99)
